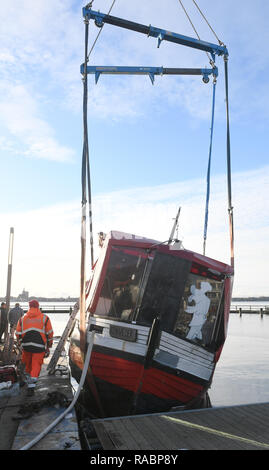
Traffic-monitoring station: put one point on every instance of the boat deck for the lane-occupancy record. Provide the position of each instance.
(243, 427)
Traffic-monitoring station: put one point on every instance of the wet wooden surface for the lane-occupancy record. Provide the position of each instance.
(16, 432)
(243, 427)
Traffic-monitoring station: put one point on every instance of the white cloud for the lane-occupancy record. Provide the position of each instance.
(46, 249)
(150, 212)
(52, 35)
(41, 52)
(36, 41)
(19, 115)
(47, 241)
(43, 49)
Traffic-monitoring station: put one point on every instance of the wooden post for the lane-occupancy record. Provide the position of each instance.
(9, 272)
(261, 312)
(240, 311)
(10, 256)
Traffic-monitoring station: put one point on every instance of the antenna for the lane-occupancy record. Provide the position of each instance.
(174, 227)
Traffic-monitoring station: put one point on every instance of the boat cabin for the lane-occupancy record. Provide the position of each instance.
(137, 280)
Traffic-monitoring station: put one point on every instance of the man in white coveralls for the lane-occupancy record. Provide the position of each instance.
(199, 310)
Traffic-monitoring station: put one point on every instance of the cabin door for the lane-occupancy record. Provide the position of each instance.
(164, 290)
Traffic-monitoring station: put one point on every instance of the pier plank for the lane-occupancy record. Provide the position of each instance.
(103, 435)
(9, 407)
(241, 427)
(181, 436)
(151, 436)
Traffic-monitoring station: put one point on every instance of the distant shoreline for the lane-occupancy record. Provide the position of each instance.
(75, 299)
(42, 299)
(250, 299)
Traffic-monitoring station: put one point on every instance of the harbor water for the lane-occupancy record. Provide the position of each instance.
(242, 373)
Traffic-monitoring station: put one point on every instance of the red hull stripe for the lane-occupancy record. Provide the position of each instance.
(164, 385)
(125, 374)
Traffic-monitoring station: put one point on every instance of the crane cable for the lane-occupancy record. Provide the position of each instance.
(206, 20)
(194, 29)
(99, 32)
(228, 140)
(211, 134)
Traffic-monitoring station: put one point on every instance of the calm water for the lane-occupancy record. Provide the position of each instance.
(242, 373)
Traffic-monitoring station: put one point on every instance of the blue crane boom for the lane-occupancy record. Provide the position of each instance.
(160, 34)
(150, 71)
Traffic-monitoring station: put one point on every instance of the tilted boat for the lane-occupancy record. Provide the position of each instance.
(159, 312)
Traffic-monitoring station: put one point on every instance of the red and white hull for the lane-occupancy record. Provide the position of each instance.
(139, 368)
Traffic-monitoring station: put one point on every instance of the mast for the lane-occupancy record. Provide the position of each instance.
(174, 227)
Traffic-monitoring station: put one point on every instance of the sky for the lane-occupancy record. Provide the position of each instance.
(148, 144)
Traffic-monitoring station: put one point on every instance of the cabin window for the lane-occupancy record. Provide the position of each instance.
(198, 318)
(163, 290)
(118, 296)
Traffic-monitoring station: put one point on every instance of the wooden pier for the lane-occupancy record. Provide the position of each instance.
(243, 427)
(250, 309)
(39, 411)
(50, 308)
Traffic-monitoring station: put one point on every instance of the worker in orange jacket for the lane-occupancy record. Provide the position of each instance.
(35, 334)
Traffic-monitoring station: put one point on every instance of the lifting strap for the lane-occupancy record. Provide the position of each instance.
(230, 207)
(85, 175)
(86, 188)
(85, 178)
(209, 163)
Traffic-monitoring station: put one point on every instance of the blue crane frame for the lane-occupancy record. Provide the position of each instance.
(160, 34)
(164, 35)
(150, 71)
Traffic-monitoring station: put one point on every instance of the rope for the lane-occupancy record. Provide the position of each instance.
(71, 406)
(216, 432)
(193, 27)
(99, 32)
(202, 14)
(209, 164)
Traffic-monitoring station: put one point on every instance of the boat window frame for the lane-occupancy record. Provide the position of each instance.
(144, 252)
(213, 345)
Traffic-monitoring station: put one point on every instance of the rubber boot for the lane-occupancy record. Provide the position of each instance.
(31, 386)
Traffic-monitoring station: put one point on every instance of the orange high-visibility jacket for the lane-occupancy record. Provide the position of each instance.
(35, 331)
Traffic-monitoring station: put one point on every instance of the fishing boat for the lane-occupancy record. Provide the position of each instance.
(160, 313)
(156, 313)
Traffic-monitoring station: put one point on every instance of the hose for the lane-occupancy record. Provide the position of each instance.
(81, 383)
